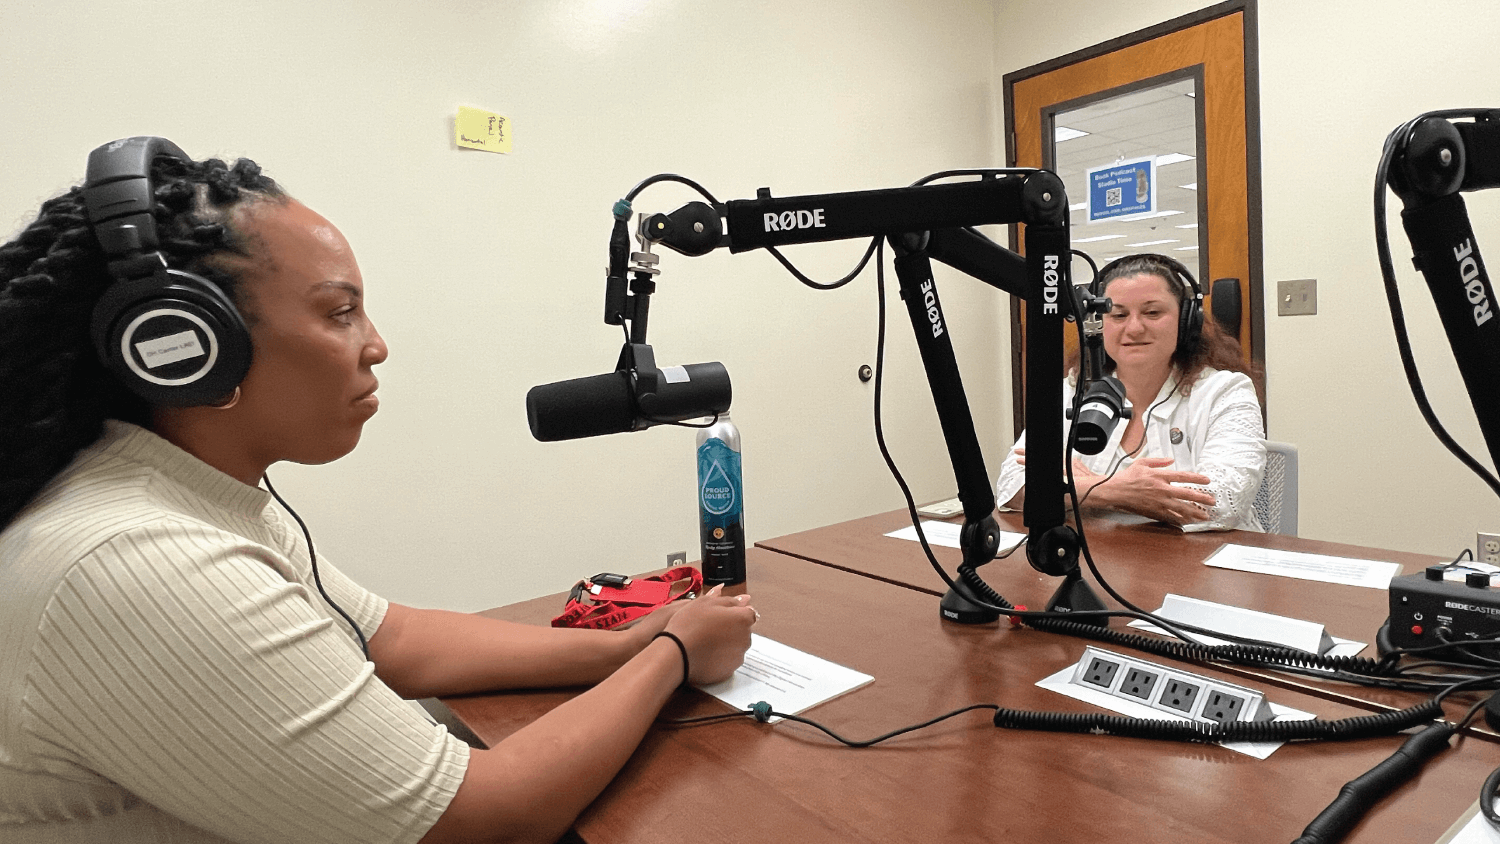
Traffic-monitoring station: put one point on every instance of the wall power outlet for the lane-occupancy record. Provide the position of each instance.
(1487, 548)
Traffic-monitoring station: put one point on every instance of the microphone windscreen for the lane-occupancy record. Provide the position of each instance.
(581, 407)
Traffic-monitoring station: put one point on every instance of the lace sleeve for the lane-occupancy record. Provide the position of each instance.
(1012, 474)
(1233, 456)
(1012, 477)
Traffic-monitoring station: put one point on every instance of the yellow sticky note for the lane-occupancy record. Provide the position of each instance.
(479, 129)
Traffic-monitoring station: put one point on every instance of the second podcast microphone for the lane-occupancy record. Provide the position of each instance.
(1102, 406)
(628, 399)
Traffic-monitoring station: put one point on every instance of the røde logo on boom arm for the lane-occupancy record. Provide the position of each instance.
(1473, 282)
(1049, 278)
(934, 316)
(792, 220)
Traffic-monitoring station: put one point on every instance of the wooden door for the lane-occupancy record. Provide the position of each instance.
(1215, 50)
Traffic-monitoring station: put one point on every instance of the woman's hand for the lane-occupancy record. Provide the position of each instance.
(647, 626)
(1148, 488)
(715, 629)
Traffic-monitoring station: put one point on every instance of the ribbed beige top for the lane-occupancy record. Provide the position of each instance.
(169, 672)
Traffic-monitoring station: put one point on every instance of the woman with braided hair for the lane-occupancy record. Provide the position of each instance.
(173, 667)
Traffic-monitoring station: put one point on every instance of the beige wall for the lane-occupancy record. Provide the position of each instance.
(484, 272)
(1336, 77)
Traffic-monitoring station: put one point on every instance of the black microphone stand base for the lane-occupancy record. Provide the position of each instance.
(1075, 595)
(961, 605)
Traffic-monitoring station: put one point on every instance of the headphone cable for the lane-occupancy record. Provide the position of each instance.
(364, 644)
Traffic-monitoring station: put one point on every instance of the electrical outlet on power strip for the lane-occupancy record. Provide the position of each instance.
(1181, 693)
(1487, 548)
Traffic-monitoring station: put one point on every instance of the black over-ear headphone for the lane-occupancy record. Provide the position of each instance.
(171, 337)
(1190, 316)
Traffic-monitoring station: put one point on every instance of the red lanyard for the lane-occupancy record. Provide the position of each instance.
(605, 601)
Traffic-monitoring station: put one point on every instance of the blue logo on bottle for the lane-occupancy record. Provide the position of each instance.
(719, 485)
(718, 491)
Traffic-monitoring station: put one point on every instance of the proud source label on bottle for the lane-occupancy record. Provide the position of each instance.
(721, 513)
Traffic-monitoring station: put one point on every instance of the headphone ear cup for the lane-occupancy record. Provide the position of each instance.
(172, 338)
(1190, 321)
(1096, 286)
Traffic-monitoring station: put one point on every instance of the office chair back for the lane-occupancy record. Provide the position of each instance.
(1276, 500)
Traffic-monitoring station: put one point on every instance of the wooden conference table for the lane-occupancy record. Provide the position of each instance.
(1143, 562)
(965, 780)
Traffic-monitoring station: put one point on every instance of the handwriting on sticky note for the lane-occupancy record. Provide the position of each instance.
(476, 128)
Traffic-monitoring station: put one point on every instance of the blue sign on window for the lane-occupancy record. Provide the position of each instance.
(1123, 189)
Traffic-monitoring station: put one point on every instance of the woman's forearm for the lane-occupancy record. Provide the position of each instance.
(533, 784)
(485, 654)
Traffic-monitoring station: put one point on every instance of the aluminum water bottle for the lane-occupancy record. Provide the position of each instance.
(721, 506)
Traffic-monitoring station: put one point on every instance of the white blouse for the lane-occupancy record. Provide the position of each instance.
(1214, 430)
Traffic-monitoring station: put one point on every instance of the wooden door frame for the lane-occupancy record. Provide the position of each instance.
(1254, 247)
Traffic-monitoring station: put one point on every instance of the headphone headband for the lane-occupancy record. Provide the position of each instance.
(118, 194)
(1171, 265)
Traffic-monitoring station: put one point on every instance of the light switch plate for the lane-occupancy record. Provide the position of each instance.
(1296, 297)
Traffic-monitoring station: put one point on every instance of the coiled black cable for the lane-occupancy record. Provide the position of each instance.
(1184, 650)
(1317, 729)
(1101, 723)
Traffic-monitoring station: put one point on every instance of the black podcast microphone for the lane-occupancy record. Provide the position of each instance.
(634, 397)
(581, 407)
(1103, 405)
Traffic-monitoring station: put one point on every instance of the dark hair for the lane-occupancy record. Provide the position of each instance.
(56, 392)
(1215, 348)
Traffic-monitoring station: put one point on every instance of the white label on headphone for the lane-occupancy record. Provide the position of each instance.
(169, 349)
(127, 341)
(675, 374)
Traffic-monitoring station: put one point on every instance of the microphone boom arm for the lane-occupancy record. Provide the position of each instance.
(935, 221)
(1431, 161)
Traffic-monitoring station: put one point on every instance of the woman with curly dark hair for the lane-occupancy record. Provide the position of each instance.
(1193, 452)
(176, 661)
